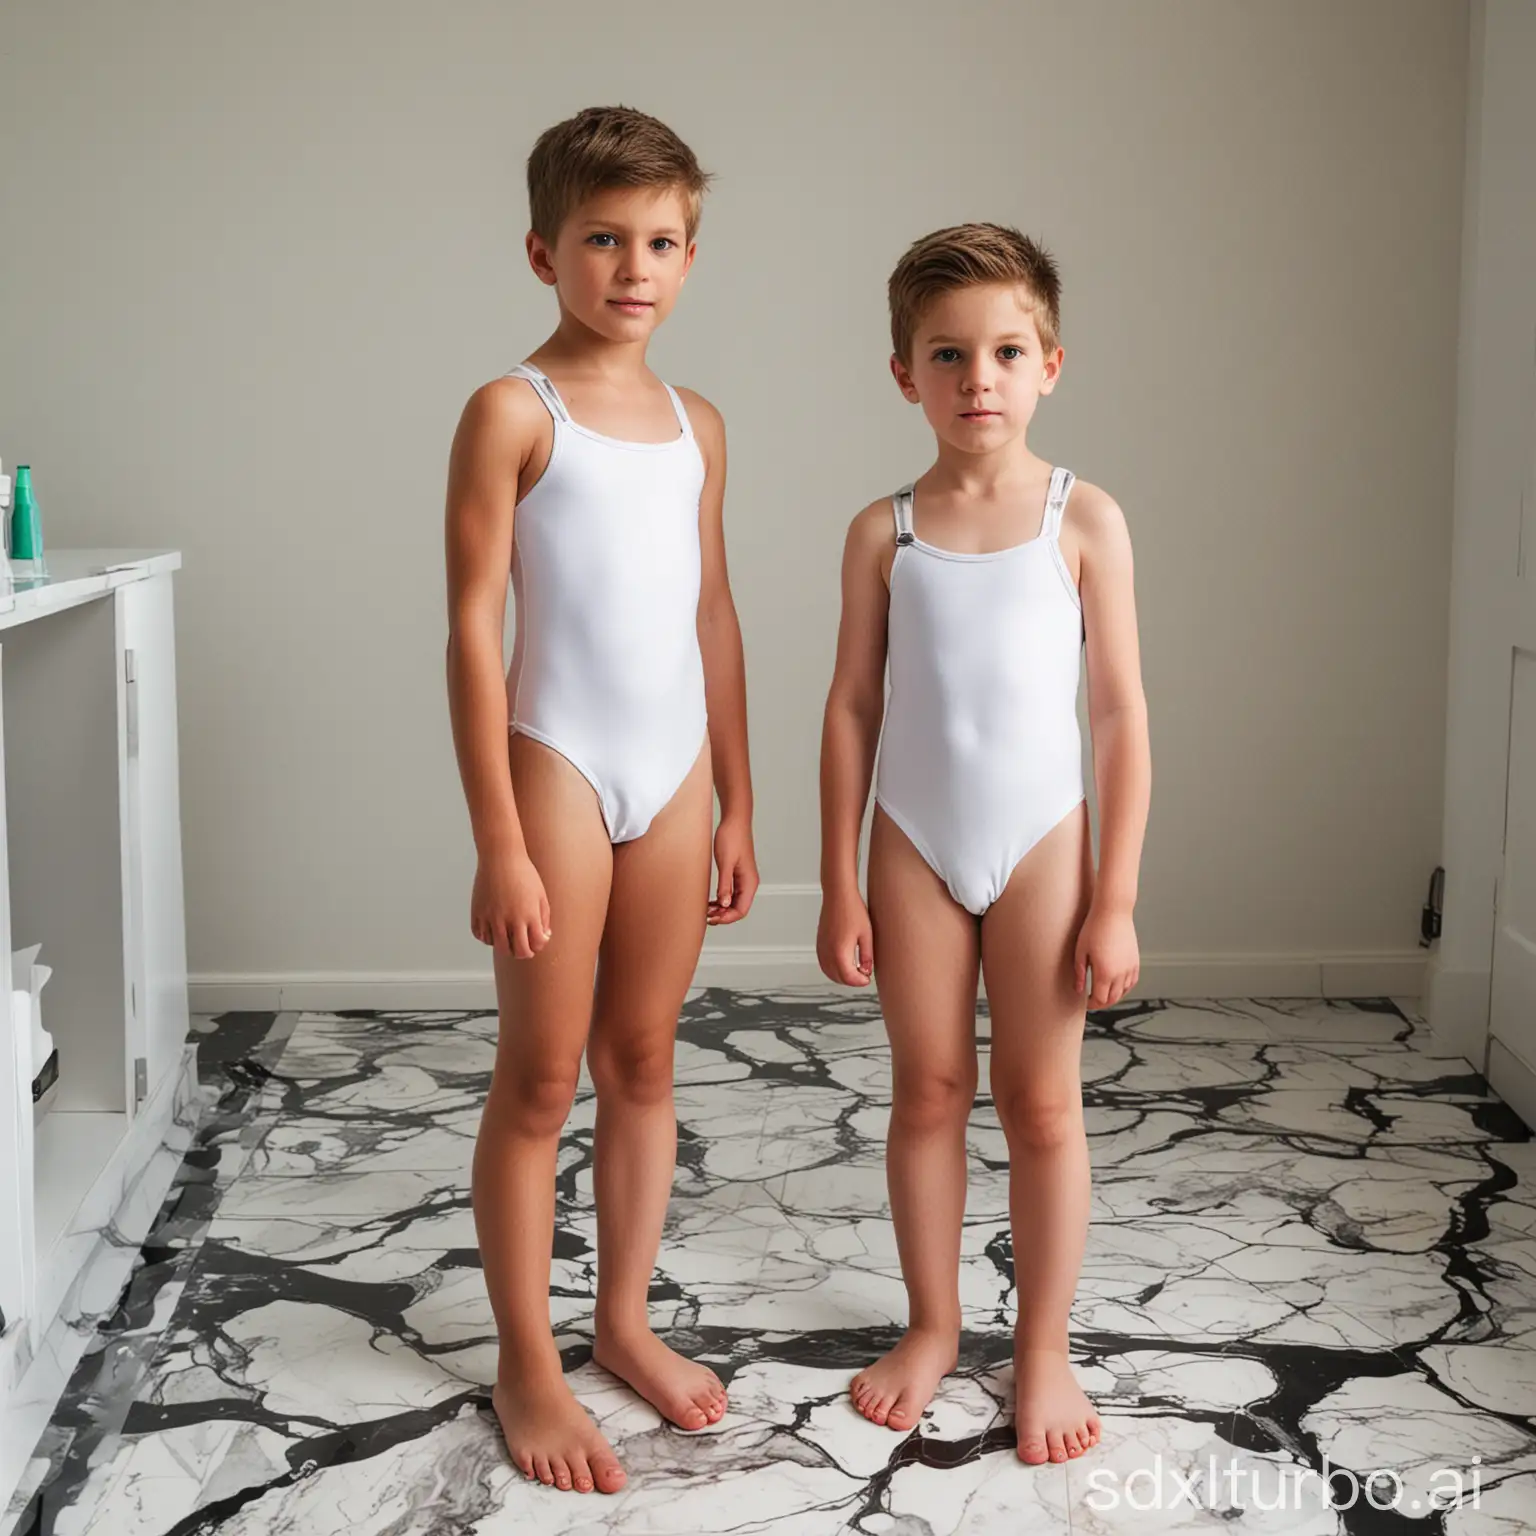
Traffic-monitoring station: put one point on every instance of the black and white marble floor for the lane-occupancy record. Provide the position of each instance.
(1313, 1246)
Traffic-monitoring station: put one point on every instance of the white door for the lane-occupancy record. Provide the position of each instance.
(152, 832)
(1512, 1020)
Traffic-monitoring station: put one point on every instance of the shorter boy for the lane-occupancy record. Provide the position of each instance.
(978, 585)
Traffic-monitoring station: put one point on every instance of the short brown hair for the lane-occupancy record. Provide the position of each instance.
(968, 256)
(608, 147)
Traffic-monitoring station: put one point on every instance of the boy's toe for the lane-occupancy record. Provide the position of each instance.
(1032, 1448)
(607, 1474)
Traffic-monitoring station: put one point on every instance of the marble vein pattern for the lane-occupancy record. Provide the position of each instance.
(1313, 1249)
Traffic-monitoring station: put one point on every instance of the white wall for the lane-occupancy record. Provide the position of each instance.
(1496, 426)
(255, 259)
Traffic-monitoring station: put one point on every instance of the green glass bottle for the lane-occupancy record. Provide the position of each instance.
(26, 525)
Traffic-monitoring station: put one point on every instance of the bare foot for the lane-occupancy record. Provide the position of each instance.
(897, 1387)
(688, 1394)
(551, 1437)
(1055, 1421)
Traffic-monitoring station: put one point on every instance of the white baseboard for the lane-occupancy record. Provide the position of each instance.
(1456, 1006)
(1513, 1080)
(794, 965)
(775, 948)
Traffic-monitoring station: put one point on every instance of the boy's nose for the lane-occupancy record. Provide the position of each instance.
(634, 268)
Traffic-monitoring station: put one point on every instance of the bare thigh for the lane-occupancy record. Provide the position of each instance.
(1028, 940)
(545, 1002)
(654, 932)
(926, 956)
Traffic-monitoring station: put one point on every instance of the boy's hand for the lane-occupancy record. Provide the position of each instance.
(1107, 946)
(508, 909)
(737, 864)
(845, 940)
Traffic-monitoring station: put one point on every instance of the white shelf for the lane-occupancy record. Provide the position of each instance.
(71, 1151)
(78, 575)
(90, 868)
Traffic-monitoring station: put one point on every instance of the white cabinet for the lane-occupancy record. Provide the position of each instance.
(91, 869)
(152, 824)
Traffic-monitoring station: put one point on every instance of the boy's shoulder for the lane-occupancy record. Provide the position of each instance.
(505, 402)
(700, 411)
(1093, 515)
(692, 397)
(1092, 502)
(502, 421)
(873, 526)
(707, 422)
(1095, 530)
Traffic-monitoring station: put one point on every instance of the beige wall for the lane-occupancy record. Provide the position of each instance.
(255, 258)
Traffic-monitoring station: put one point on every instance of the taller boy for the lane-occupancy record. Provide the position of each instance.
(588, 768)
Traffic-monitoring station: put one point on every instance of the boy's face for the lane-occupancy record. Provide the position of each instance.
(619, 260)
(978, 367)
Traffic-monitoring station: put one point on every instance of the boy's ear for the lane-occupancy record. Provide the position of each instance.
(1052, 371)
(538, 258)
(693, 249)
(903, 377)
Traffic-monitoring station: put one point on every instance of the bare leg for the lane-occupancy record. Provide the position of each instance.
(926, 955)
(650, 949)
(1027, 942)
(545, 1006)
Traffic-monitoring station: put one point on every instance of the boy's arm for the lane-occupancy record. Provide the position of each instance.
(1117, 705)
(725, 677)
(855, 701)
(488, 452)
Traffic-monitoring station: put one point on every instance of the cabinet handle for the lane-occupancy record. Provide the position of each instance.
(131, 673)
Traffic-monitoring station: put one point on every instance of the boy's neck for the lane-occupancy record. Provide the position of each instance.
(581, 349)
(984, 474)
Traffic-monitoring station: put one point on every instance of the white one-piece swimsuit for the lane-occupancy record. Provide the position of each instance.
(981, 754)
(606, 667)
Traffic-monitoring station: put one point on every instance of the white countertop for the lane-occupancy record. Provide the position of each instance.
(77, 575)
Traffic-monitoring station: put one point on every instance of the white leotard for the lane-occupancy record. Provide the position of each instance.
(981, 753)
(606, 668)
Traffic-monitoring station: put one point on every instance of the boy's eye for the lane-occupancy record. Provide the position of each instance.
(1009, 353)
(662, 243)
(946, 354)
(593, 238)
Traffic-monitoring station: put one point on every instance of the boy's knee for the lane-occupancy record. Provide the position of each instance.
(933, 1100)
(1036, 1121)
(536, 1098)
(636, 1071)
